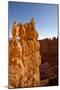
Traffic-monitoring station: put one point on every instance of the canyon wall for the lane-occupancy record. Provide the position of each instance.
(49, 57)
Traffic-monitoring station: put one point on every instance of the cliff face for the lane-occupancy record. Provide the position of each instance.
(24, 56)
(49, 57)
(49, 50)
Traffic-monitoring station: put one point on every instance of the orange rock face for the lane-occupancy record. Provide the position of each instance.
(24, 56)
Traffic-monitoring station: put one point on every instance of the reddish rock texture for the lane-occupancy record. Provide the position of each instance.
(49, 50)
(49, 57)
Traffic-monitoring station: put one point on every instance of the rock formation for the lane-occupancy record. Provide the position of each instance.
(24, 56)
(49, 56)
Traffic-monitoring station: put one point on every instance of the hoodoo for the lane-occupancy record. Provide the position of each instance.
(24, 56)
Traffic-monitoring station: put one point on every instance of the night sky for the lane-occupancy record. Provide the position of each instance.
(46, 16)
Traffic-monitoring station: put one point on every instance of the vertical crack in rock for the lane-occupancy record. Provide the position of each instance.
(24, 56)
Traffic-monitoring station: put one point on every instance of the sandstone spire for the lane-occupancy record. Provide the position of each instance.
(24, 56)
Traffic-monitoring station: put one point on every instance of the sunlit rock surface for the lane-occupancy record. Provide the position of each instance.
(24, 56)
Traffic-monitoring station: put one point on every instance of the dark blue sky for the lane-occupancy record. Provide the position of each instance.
(46, 16)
